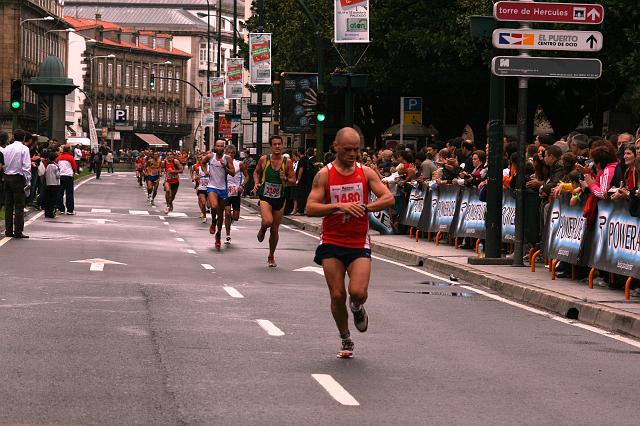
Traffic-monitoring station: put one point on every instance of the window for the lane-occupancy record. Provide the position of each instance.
(160, 115)
(177, 117)
(178, 82)
(100, 111)
(145, 75)
(136, 78)
(153, 114)
(144, 115)
(170, 75)
(168, 115)
(161, 80)
(127, 77)
(100, 73)
(119, 75)
(109, 113)
(202, 52)
(135, 114)
(110, 75)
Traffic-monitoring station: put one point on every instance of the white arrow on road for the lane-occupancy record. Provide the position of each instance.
(315, 269)
(101, 221)
(97, 265)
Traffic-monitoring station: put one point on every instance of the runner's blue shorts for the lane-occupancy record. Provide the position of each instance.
(153, 178)
(221, 193)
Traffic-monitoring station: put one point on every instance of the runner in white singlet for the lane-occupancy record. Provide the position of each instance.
(235, 189)
(218, 166)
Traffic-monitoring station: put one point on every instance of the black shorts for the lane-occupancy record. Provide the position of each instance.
(202, 192)
(234, 202)
(174, 186)
(343, 254)
(276, 203)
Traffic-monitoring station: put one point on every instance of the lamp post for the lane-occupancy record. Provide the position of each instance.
(66, 30)
(207, 131)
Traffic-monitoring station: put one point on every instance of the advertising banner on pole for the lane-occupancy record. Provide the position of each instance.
(298, 102)
(260, 58)
(217, 93)
(207, 112)
(93, 134)
(351, 21)
(233, 88)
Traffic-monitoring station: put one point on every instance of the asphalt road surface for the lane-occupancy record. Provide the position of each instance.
(176, 333)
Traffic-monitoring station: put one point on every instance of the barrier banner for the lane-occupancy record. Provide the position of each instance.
(617, 239)
(565, 235)
(413, 212)
(380, 221)
(508, 217)
(428, 219)
(445, 208)
(470, 220)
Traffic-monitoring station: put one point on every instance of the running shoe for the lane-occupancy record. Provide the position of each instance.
(346, 349)
(212, 228)
(271, 262)
(228, 240)
(261, 233)
(167, 210)
(360, 318)
(218, 242)
(204, 218)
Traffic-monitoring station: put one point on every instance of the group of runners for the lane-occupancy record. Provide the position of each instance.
(340, 194)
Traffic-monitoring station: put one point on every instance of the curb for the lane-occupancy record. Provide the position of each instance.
(560, 304)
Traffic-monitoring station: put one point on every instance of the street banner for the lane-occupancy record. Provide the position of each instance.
(413, 212)
(617, 239)
(224, 126)
(207, 112)
(381, 220)
(93, 134)
(508, 217)
(566, 236)
(234, 81)
(245, 115)
(299, 100)
(351, 21)
(260, 58)
(470, 220)
(445, 209)
(216, 85)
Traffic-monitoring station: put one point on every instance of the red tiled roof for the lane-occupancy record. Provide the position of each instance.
(84, 24)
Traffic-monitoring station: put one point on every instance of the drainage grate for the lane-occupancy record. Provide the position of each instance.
(439, 293)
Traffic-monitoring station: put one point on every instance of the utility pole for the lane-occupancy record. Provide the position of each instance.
(219, 58)
(207, 130)
(234, 105)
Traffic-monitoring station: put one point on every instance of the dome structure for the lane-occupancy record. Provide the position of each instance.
(51, 79)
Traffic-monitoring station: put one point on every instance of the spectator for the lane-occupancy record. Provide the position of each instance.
(625, 179)
(109, 160)
(17, 177)
(605, 162)
(425, 166)
(552, 157)
(308, 172)
(67, 166)
(97, 161)
(77, 156)
(52, 186)
(4, 138)
(467, 151)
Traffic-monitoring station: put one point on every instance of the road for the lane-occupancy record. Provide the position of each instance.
(171, 335)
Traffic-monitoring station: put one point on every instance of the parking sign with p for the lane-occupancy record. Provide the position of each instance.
(120, 116)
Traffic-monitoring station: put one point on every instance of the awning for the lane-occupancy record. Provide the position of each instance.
(152, 140)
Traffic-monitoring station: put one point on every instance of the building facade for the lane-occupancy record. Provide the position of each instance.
(119, 63)
(30, 30)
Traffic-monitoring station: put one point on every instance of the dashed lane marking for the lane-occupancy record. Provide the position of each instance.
(165, 223)
(139, 212)
(173, 230)
(180, 239)
(191, 251)
(207, 266)
(335, 389)
(271, 329)
(100, 210)
(175, 214)
(233, 292)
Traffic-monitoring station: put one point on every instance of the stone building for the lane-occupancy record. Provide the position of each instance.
(119, 62)
(30, 30)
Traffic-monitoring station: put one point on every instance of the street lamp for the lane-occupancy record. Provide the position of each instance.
(66, 30)
(46, 18)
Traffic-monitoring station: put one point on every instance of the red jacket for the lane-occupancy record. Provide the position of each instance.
(65, 156)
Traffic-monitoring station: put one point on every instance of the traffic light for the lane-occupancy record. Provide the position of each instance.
(16, 95)
(321, 108)
(152, 81)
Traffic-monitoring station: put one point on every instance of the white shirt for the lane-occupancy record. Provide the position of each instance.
(17, 160)
(77, 154)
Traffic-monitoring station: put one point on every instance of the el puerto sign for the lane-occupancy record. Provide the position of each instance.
(576, 41)
(563, 13)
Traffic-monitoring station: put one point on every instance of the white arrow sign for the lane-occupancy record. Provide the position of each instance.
(574, 41)
(97, 265)
(315, 269)
(593, 14)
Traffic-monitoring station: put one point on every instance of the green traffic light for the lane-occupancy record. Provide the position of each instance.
(15, 104)
(320, 117)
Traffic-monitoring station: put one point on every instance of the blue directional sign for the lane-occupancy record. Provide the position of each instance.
(412, 104)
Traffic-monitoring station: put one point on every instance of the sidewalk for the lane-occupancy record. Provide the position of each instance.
(601, 307)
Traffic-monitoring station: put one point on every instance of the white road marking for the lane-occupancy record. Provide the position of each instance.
(101, 221)
(573, 323)
(100, 210)
(175, 214)
(271, 329)
(97, 264)
(191, 251)
(139, 212)
(316, 269)
(173, 230)
(83, 182)
(335, 389)
(233, 292)
(96, 267)
(165, 223)
(180, 239)
(33, 219)
(207, 266)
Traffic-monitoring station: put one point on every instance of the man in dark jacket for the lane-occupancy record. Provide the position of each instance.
(552, 159)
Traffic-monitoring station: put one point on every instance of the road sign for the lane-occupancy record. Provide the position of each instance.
(524, 66)
(120, 116)
(411, 110)
(236, 126)
(577, 41)
(568, 13)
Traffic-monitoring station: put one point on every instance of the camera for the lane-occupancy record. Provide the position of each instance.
(582, 160)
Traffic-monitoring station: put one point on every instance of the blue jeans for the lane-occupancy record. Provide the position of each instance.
(66, 188)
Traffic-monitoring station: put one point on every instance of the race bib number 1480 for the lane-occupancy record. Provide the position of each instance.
(349, 193)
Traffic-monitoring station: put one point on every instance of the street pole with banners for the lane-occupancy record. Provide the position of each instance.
(207, 130)
(234, 105)
(401, 121)
(259, 87)
(216, 115)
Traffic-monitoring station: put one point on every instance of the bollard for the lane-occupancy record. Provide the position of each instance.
(533, 258)
(627, 288)
(592, 272)
(552, 268)
(455, 243)
(411, 232)
(438, 238)
(417, 235)
(478, 246)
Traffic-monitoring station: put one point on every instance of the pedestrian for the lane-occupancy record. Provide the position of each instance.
(4, 138)
(68, 166)
(17, 178)
(52, 186)
(110, 161)
(340, 194)
(97, 160)
(77, 155)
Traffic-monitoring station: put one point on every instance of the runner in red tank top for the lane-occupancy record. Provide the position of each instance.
(340, 193)
(172, 169)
